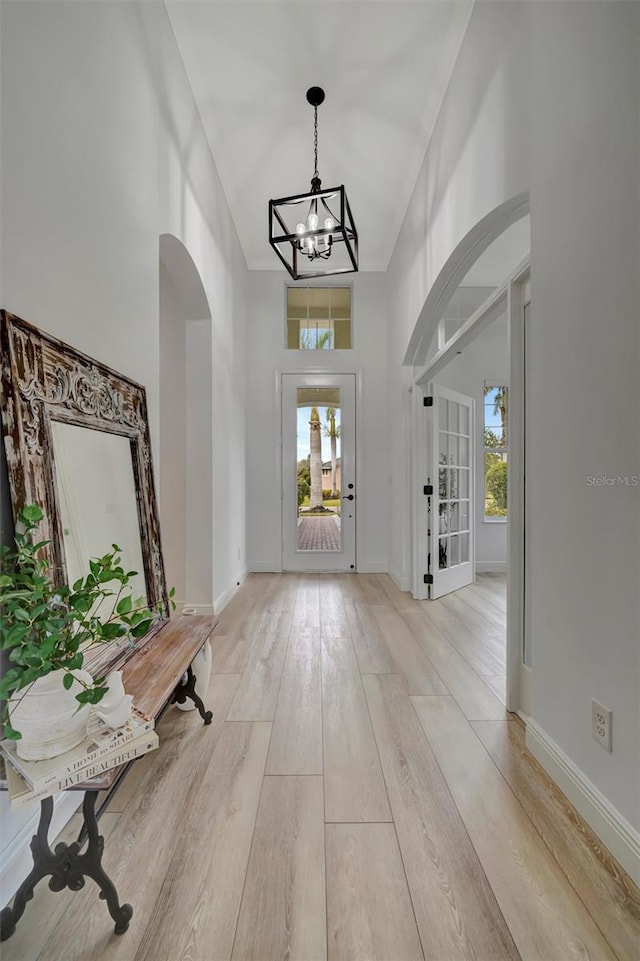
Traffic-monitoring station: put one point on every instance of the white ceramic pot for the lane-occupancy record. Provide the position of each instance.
(48, 717)
(201, 667)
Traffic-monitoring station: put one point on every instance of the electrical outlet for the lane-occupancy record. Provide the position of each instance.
(601, 724)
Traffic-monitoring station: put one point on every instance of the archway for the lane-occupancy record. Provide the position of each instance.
(457, 266)
(186, 428)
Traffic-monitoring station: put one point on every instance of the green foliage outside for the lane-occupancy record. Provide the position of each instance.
(495, 483)
(47, 627)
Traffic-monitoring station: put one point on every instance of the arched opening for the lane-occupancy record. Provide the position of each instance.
(458, 268)
(470, 341)
(186, 428)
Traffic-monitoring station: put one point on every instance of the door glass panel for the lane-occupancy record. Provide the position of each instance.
(453, 449)
(464, 515)
(463, 477)
(443, 484)
(463, 452)
(443, 553)
(444, 518)
(454, 550)
(443, 449)
(454, 516)
(442, 417)
(463, 423)
(453, 483)
(464, 548)
(453, 415)
(318, 469)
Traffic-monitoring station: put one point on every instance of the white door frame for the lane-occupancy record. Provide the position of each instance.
(321, 372)
(512, 295)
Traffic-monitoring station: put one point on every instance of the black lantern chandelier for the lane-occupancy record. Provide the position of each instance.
(327, 232)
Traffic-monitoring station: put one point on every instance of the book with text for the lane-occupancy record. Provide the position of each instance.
(20, 793)
(100, 742)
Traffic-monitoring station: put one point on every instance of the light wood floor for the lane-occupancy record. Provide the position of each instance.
(361, 794)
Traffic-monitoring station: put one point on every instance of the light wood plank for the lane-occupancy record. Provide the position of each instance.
(391, 593)
(230, 654)
(306, 611)
(369, 911)
(478, 618)
(353, 784)
(338, 653)
(541, 909)
(468, 688)
(257, 692)
(372, 652)
(152, 824)
(282, 915)
(420, 676)
(479, 654)
(498, 684)
(333, 616)
(608, 893)
(372, 593)
(456, 911)
(296, 739)
(195, 914)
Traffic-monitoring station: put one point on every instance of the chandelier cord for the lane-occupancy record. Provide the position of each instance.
(315, 140)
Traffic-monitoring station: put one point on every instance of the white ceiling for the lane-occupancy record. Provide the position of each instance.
(384, 67)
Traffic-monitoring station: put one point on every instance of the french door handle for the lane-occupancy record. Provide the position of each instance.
(347, 497)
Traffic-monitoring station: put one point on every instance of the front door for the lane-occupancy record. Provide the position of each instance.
(451, 523)
(318, 472)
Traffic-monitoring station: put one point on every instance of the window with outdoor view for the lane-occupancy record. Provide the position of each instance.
(319, 318)
(495, 425)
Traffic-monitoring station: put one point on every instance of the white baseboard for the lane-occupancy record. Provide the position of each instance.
(221, 602)
(615, 832)
(187, 608)
(403, 583)
(491, 567)
(16, 855)
(374, 568)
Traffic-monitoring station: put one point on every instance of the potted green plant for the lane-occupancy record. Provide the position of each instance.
(47, 630)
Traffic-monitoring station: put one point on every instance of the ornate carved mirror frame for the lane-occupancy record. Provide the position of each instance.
(43, 380)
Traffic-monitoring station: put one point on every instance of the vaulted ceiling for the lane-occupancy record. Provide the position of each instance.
(384, 67)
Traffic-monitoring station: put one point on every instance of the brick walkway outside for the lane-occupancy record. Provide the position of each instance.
(318, 534)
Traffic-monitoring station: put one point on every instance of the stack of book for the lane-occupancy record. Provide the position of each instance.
(101, 750)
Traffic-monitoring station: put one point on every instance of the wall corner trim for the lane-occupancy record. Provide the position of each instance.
(223, 599)
(615, 832)
(401, 581)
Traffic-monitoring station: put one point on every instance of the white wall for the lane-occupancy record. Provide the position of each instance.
(266, 354)
(485, 359)
(544, 97)
(103, 151)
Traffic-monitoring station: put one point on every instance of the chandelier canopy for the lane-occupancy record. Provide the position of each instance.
(324, 242)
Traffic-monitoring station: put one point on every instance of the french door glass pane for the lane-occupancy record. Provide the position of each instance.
(318, 469)
(443, 553)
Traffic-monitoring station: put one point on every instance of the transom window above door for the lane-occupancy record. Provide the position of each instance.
(319, 318)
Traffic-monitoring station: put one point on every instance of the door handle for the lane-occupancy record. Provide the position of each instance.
(347, 497)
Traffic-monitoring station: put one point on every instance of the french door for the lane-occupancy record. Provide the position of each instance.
(319, 496)
(451, 484)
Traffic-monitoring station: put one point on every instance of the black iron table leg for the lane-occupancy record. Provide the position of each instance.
(68, 867)
(187, 689)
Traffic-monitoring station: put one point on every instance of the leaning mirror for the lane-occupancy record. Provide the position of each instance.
(77, 442)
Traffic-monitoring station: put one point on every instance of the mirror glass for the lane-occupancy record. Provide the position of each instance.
(97, 497)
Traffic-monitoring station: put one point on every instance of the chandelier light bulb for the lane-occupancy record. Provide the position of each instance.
(329, 223)
(313, 221)
(301, 229)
